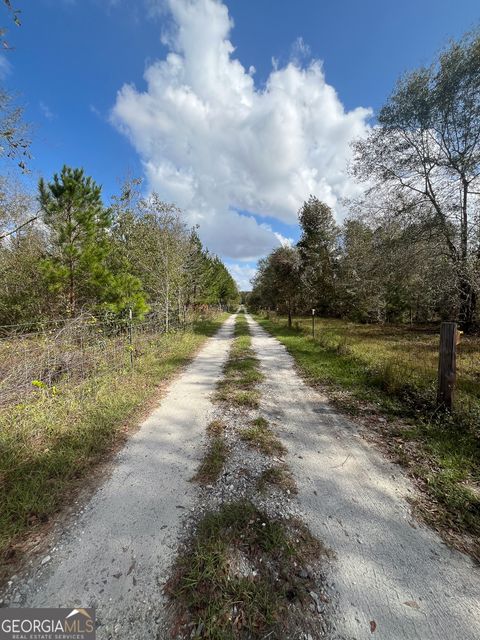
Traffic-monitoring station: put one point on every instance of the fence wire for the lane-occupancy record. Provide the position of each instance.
(42, 356)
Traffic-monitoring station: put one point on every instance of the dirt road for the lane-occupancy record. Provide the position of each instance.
(393, 576)
(394, 579)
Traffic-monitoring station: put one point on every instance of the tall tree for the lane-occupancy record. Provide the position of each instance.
(318, 253)
(220, 288)
(196, 270)
(23, 294)
(358, 287)
(426, 150)
(164, 254)
(154, 243)
(77, 268)
(278, 283)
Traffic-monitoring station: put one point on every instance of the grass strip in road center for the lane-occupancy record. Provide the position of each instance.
(215, 455)
(239, 576)
(241, 373)
(261, 437)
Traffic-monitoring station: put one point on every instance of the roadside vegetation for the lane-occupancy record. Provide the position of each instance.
(390, 372)
(50, 444)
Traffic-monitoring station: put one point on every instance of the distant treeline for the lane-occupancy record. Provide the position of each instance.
(409, 249)
(63, 253)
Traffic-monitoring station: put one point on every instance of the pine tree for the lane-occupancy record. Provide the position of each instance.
(77, 266)
(318, 253)
(196, 270)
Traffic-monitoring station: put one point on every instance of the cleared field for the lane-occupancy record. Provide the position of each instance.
(393, 370)
(400, 354)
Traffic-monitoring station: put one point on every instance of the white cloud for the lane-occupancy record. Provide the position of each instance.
(93, 109)
(301, 51)
(285, 242)
(242, 274)
(45, 109)
(5, 67)
(214, 143)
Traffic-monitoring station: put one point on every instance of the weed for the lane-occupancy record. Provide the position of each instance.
(213, 461)
(231, 599)
(279, 476)
(260, 436)
(216, 428)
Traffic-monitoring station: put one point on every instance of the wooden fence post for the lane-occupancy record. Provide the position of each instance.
(447, 364)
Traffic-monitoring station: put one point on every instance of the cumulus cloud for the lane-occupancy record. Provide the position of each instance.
(243, 274)
(216, 144)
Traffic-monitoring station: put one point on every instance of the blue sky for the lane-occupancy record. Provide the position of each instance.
(236, 135)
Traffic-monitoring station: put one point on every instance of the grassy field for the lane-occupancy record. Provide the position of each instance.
(52, 441)
(391, 370)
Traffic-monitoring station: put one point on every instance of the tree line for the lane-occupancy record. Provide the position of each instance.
(63, 252)
(81, 256)
(409, 248)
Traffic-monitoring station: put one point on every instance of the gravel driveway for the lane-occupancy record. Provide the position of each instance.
(393, 578)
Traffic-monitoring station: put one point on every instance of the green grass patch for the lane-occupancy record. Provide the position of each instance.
(278, 476)
(49, 443)
(241, 373)
(393, 370)
(213, 461)
(261, 437)
(237, 577)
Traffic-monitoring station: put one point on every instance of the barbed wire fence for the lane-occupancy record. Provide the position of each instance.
(41, 356)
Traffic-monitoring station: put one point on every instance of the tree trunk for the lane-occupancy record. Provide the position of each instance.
(467, 293)
(289, 317)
